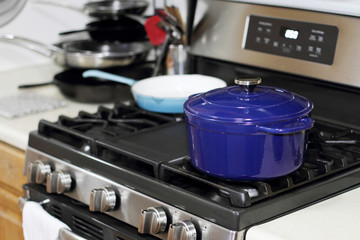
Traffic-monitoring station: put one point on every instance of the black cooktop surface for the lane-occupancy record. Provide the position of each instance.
(148, 151)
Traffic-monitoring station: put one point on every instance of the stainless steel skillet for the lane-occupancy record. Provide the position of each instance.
(86, 53)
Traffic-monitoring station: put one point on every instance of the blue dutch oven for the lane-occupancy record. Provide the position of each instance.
(247, 132)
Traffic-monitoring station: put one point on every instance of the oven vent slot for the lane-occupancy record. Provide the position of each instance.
(87, 229)
(56, 211)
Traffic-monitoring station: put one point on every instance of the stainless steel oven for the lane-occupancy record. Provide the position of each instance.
(129, 167)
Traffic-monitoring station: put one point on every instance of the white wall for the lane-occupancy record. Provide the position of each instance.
(43, 23)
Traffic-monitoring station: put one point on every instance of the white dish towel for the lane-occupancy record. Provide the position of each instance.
(39, 224)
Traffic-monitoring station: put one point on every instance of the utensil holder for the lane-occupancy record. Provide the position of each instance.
(176, 61)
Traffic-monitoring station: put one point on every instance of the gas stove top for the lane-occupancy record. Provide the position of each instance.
(147, 152)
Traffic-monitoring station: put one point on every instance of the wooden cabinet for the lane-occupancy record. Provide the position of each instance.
(11, 180)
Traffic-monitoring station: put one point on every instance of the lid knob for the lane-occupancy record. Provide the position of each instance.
(247, 82)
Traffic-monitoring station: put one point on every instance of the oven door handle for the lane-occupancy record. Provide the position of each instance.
(64, 233)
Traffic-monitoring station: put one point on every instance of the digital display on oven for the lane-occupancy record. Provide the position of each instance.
(295, 39)
(289, 33)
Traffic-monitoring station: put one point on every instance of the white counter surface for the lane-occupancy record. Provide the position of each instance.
(334, 219)
(15, 131)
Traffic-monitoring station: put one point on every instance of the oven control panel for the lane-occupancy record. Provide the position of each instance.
(295, 39)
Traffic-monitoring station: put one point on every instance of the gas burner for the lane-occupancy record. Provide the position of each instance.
(326, 137)
(330, 160)
(124, 136)
(106, 124)
(114, 122)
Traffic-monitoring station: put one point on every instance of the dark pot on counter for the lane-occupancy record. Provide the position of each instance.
(123, 29)
(97, 90)
(247, 132)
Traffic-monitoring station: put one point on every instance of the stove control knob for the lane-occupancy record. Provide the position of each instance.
(102, 199)
(152, 220)
(184, 230)
(58, 182)
(37, 172)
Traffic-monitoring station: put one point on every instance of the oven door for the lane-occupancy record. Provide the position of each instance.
(83, 223)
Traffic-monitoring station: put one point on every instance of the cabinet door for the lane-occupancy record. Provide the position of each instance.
(11, 181)
(10, 216)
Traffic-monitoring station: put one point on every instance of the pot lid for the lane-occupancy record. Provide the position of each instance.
(247, 103)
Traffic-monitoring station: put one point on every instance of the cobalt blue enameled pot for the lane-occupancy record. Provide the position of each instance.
(247, 132)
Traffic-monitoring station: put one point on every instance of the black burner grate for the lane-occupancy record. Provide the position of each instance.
(106, 124)
(119, 137)
(330, 150)
(116, 122)
(152, 157)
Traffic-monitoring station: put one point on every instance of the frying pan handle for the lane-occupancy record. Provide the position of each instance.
(71, 32)
(301, 124)
(108, 76)
(139, 19)
(43, 49)
(23, 86)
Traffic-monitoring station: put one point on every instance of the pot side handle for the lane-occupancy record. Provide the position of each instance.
(301, 124)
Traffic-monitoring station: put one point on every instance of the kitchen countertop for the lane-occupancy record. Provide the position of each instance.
(15, 131)
(334, 219)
